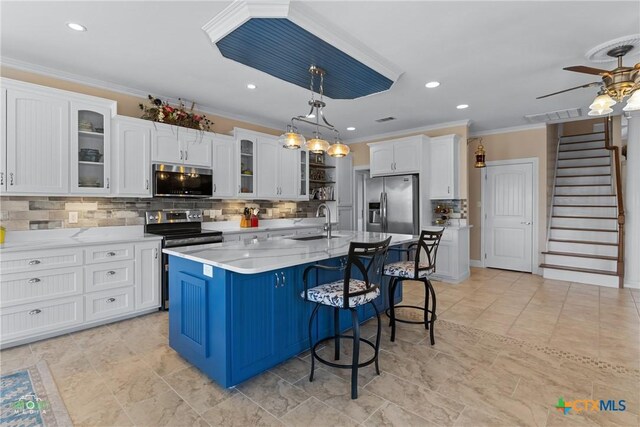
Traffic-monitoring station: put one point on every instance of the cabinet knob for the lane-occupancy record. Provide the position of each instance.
(277, 280)
(111, 273)
(111, 254)
(110, 300)
(36, 311)
(34, 280)
(34, 262)
(284, 280)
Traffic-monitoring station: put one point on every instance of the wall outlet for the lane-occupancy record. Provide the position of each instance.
(73, 217)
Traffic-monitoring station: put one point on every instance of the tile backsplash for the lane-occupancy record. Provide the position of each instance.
(449, 211)
(35, 213)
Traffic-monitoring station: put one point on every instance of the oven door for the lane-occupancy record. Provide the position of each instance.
(182, 181)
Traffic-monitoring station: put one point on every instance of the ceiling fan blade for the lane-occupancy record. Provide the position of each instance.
(573, 88)
(586, 70)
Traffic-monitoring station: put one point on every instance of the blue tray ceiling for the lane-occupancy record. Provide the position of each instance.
(284, 50)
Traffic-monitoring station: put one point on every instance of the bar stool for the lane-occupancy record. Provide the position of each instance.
(349, 294)
(419, 271)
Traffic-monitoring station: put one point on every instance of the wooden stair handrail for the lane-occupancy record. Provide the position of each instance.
(619, 196)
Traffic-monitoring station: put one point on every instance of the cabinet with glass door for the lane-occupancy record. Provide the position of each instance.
(90, 147)
(247, 160)
(322, 177)
(303, 191)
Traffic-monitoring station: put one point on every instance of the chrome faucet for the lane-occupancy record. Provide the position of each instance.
(327, 215)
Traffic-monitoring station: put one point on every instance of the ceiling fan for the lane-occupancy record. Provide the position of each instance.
(615, 85)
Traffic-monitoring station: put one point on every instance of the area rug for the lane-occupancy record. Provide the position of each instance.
(29, 397)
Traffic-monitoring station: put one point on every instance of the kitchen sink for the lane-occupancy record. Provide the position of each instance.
(322, 236)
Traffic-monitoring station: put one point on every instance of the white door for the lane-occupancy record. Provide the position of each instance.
(267, 165)
(406, 156)
(509, 216)
(223, 167)
(381, 159)
(165, 147)
(197, 147)
(344, 181)
(147, 273)
(288, 165)
(441, 170)
(37, 143)
(133, 147)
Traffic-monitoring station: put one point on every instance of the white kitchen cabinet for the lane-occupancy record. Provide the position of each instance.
(303, 175)
(147, 275)
(452, 259)
(344, 181)
(396, 157)
(443, 178)
(37, 142)
(246, 165)
(132, 154)
(174, 144)
(288, 165)
(3, 143)
(345, 218)
(224, 170)
(108, 304)
(90, 150)
(267, 168)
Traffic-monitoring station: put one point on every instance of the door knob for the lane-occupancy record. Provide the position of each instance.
(525, 223)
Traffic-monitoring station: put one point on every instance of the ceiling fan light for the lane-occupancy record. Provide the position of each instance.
(291, 140)
(602, 101)
(633, 103)
(317, 145)
(338, 149)
(600, 112)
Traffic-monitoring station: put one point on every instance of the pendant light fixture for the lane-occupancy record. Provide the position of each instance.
(293, 140)
(480, 154)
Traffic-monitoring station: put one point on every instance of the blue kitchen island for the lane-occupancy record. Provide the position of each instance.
(235, 308)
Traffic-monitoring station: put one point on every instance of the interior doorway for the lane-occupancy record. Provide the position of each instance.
(509, 206)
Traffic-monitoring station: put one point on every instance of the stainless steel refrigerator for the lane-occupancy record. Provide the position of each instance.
(393, 204)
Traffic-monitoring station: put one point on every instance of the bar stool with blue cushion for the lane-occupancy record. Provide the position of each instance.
(418, 269)
(348, 294)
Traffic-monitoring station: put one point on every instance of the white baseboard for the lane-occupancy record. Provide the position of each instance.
(632, 285)
(476, 263)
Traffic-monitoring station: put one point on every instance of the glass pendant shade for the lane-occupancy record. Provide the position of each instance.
(291, 140)
(480, 157)
(317, 145)
(600, 112)
(633, 103)
(338, 149)
(602, 102)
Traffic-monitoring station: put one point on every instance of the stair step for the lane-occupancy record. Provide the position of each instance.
(577, 275)
(583, 158)
(582, 137)
(588, 170)
(579, 269)
(608, 258)
(583, 152)
(604, 179)
(584, 206)
(582, 134)
(583, 185)
(595, 230)
(582, 162)
(583, 242)
(569, 220)
(582, 166)
(583, 217)
(583, 195)
(581, 142)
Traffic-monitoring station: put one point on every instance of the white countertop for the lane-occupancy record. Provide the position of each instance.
(68, 237)
(233, 227)
(258, 256)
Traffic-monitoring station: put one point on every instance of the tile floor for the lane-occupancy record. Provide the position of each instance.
(508, 346)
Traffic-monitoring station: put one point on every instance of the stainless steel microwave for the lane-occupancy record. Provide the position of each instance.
(181, 181)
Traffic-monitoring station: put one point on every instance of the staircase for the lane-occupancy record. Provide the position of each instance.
(583, 234)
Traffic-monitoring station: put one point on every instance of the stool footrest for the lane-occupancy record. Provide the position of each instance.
(434, 317)
(340, 365)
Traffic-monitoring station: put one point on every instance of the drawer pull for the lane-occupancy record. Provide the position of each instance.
(34, 262)
(34, 280)
(111, 254)
(36, 311)
(110, 273)
(110, 300)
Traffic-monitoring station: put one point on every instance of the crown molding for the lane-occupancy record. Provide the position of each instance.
(239, 12)
(125, 90)
(405, 132)
(507, 130)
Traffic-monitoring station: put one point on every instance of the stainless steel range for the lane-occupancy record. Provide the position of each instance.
(178, 228)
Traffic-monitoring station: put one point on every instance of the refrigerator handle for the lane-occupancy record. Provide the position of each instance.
(382, 212)
(383, 206)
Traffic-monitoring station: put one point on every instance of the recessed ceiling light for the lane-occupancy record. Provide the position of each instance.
(251, 86)
(462, 106)
(431, 85)
(351, 128)
(76, 27)
(310, 116)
